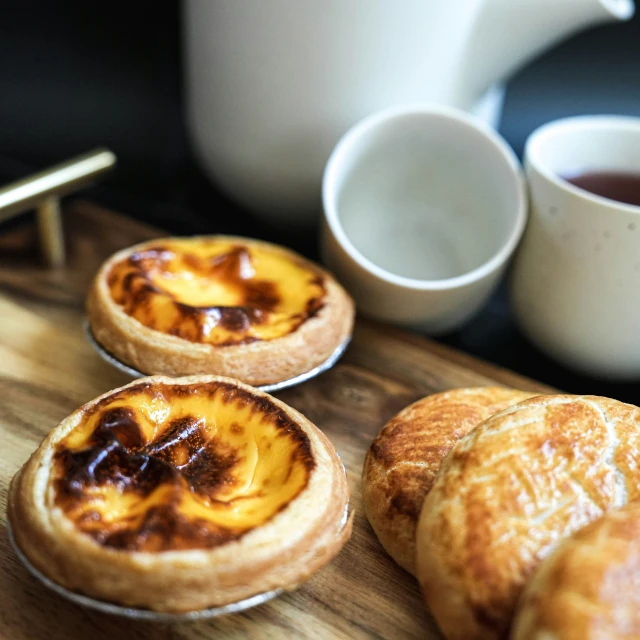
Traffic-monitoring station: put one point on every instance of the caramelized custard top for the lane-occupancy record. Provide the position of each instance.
(216, 291)
(158, 467)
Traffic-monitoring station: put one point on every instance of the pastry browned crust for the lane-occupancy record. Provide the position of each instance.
(509, 492)
(588, 587)
(166, 557)
(405, 456)
(259, 362)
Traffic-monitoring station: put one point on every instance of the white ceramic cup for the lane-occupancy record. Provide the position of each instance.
(576, 281)
(423, 207)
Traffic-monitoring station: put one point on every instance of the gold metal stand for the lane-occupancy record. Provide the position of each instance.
(42, 191)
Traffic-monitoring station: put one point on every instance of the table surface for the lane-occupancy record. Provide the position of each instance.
(47, 369)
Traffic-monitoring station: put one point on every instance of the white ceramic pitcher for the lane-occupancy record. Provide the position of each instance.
(273, 84)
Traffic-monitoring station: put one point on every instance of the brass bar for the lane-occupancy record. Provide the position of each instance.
(51, 232)
(59, 180)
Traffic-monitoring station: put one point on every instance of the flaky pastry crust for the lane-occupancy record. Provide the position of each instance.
(588, 587)
(509, 492)
(259, 362)
(281, 553)
(401, 464)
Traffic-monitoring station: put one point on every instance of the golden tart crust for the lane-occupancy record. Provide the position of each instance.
(178, 494)
(218, 305)
(509, 492)
(403, 459)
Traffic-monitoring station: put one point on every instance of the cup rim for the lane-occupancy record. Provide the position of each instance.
(587, 123)
(464, 119)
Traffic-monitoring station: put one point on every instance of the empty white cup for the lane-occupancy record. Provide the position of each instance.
(423, 206)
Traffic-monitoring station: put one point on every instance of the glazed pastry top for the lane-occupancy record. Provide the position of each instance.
(509, 492)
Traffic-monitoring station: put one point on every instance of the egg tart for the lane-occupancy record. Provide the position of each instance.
(218, 305)
(178, 494)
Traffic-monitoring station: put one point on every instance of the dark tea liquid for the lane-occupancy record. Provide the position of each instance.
(623, 187)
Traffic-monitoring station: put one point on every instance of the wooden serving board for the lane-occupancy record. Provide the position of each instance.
(48, 369)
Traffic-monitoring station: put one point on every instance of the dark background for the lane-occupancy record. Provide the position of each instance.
(74, 76)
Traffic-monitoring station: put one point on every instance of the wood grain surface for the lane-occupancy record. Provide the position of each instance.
(47, 369)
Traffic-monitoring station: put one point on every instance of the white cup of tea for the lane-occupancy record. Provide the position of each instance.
(576, 281)
(423, 207)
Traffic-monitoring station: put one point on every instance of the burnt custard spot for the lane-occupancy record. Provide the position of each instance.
(216, 291)
(159, 467)
(237, 428)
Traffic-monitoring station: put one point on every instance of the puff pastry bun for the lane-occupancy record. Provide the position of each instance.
(405, 456)
(509, 492)
(218, 305)
(181, 494)
(588, 587)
